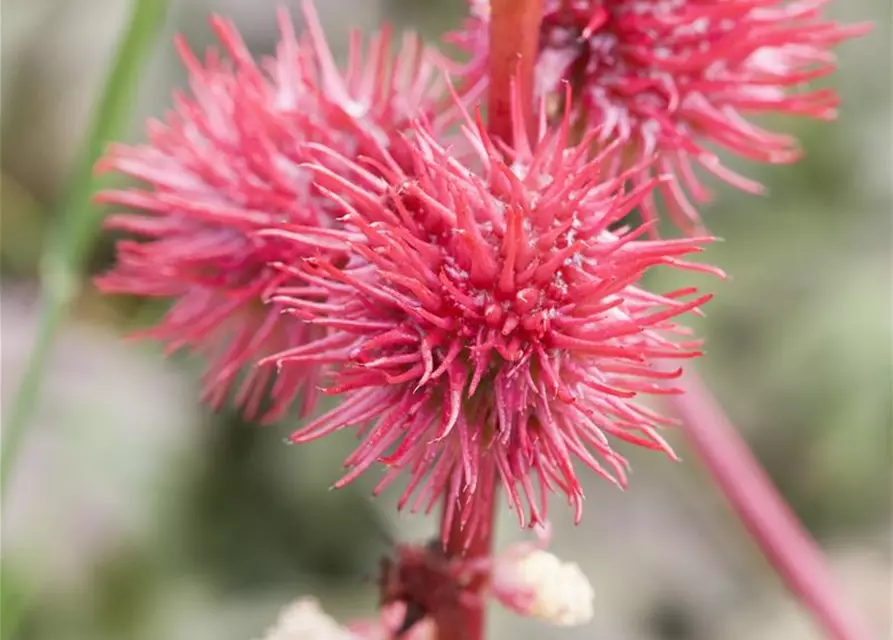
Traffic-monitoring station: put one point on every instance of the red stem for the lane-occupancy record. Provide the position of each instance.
(466, 620)
(514, 44)
(784, 541)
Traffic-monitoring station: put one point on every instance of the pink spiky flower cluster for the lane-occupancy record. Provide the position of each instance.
(676, 79)
(225, 165)
(475, 297)
(490, 322)
(478, 304)
(480, 312)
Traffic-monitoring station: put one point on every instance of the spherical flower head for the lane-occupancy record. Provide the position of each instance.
(227, 164)
(489, 323)
(679, 78)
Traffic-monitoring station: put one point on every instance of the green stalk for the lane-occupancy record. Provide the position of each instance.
(77, 222)
(66, 250)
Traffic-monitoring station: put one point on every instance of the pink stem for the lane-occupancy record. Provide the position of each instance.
(514, 45)
(784, 541)
(465, 620)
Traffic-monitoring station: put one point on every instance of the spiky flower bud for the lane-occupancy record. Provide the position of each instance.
(226, 164)
(489, 323)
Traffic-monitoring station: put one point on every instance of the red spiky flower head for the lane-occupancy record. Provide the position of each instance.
(225, 164)
(678, 78)
(489, 323)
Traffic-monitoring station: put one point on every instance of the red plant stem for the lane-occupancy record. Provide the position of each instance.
(514, 44)
(466, 620)
(787, 545)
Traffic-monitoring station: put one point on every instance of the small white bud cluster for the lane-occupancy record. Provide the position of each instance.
(560, 593)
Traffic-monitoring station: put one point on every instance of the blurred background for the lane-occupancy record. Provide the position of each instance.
(135, 513)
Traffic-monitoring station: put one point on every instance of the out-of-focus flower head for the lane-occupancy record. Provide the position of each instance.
(489, 324)
(679, 78)
(305, 619)
(227, 163)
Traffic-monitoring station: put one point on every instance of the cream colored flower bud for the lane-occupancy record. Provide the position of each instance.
(305, 619)
(560, 593)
